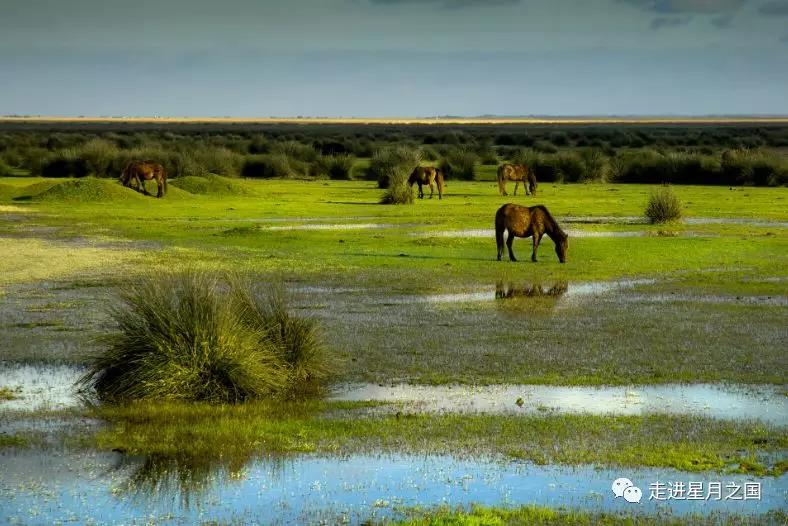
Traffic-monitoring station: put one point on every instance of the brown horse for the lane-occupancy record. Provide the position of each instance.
(422, 175)
(141, 171)
(517, 173)
(534, 221)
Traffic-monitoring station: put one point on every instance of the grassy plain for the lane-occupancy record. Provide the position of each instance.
(381, 278)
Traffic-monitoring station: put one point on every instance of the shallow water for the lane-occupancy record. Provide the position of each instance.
(42, 386)
(52, 387)
(45, 487)
(729, 402)
(334, 226)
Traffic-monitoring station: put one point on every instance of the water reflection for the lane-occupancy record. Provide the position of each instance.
(530, 290)
(44, 487)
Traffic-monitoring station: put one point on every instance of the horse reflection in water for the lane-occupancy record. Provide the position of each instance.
(530, 295)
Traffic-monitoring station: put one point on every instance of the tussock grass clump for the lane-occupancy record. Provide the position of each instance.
(393, 162)
(663, 206)
(460, 163)
(198, 336)
(336, 167)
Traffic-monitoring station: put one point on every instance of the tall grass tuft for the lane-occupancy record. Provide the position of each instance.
(391, 163)
(460, 163)
(336, 167)
(663, 206)
(198, 336)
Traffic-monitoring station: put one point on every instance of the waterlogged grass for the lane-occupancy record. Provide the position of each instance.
(543, 516)
(243, 431)
(589, 341)
(7, 393)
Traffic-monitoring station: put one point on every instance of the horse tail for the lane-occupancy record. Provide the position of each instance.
(501, 178)
(439, 181)
(500, 226)
(164, 179)
(532, 183)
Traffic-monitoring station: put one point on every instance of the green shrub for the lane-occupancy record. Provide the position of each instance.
(295, 150)
(99, 155)
(197, 336)
(460, 163)
(64, 163)
(393, 162)
(333, 166)
(273, 165)
(753, 167)
(595, 165)
(663, 206)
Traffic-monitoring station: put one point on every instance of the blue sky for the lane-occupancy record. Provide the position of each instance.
(361, 58)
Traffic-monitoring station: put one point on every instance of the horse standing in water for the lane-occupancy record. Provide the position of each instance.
(141, 171)
(422, 175)
(534, 221)
(517, 173)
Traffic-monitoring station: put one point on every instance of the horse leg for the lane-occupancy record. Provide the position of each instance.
(516, 184)
(421, 191)
(141, 181)
(159, 186)
(537, 239)
(509, 241)
(432, 190)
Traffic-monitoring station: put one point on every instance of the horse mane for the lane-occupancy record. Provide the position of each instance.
(556, 229)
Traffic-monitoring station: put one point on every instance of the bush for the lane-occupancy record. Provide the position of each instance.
(196, 336)
(595, 165)
(295, 150)
(652, 167)
(273, 165)
(753, 168)
(64, 163)
(460, 163)
(663, 206)
(392, 161)
(98, 155)
(333, 166)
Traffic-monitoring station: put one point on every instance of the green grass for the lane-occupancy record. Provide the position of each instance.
(543, 516)
(260, 428)
(585, 342)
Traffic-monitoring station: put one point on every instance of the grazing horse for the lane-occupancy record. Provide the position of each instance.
(517, 173)
(141, 171)
(534, 221)
(422, 175)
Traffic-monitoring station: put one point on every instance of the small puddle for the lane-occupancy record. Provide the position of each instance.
(508, 291)
(40, 387)
(762, 402)
(47, 487)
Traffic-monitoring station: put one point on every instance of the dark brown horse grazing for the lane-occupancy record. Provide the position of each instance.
(517, 173)
(422, 175)
(534, 221)
(141, 171)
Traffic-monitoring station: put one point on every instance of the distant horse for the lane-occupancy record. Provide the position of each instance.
(517, 173)
(141, 171)
(534, 221)
(422, 175)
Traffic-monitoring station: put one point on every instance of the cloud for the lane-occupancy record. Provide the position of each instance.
(687, 6)
(449, 4)
(774, 8)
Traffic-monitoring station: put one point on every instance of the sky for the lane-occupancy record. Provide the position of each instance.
(393, 58)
